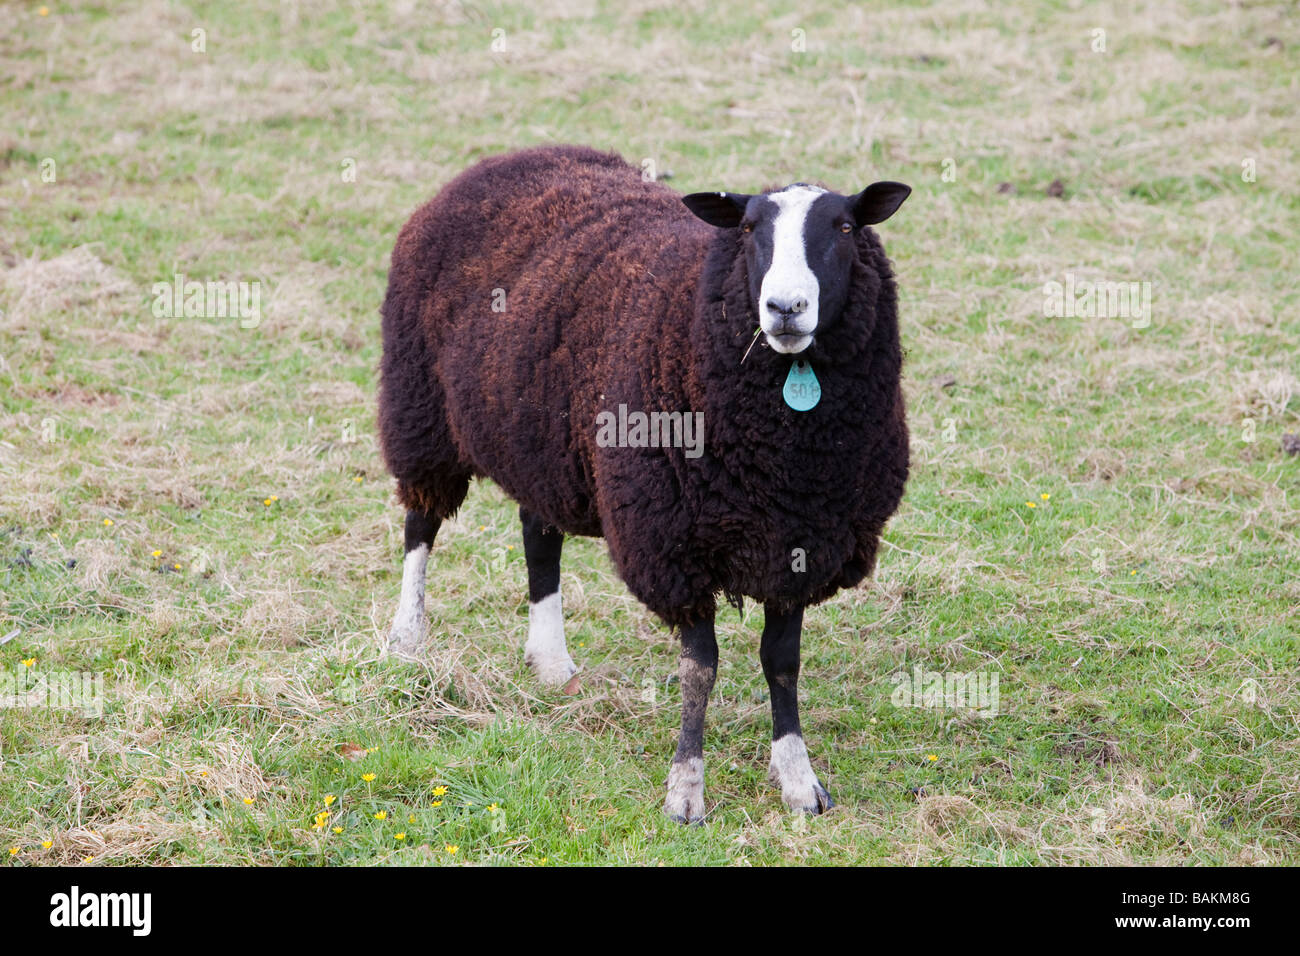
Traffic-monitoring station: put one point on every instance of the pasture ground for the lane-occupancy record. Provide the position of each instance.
(1101, 515)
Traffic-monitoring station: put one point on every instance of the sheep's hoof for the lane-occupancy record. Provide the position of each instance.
(552, 670)
(813, 800)
(685, 803)
(684, 821)
(791, 771)
(406, 642)
(686, 816)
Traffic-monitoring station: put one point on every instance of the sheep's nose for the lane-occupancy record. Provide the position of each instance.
(785, 309)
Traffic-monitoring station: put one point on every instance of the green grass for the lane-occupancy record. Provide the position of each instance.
(1141, 619)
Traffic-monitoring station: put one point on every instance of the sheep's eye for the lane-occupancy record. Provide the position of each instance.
(746, 227)
(846, 227)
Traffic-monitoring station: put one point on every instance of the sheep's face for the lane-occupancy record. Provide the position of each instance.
(799, 248)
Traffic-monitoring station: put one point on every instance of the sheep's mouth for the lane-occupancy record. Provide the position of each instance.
(789, 343)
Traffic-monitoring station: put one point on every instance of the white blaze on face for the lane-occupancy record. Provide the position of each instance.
(789, 283)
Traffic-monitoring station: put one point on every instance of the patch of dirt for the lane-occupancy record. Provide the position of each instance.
(1085, 749)
(73, 394)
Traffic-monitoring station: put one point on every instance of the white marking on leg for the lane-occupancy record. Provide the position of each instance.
(546, 652)
(686, 790)
(790, 768)
(408, 623)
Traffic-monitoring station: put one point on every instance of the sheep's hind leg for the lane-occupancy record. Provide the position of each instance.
(407, 634)
(696, 672)
(546, 651)
(790, 768)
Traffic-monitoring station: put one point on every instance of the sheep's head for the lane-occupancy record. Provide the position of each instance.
(800, 247)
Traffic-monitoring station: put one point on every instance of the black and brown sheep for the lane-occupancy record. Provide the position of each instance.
(543, 293)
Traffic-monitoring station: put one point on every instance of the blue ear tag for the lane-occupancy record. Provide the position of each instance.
(802, 390)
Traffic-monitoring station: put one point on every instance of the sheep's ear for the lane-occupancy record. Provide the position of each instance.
(878, 202)
(724, 210)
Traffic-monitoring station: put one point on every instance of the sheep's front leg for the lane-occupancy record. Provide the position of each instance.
(697, 670)
(779, 651)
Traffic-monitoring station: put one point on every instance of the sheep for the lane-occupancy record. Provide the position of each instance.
(543, 291)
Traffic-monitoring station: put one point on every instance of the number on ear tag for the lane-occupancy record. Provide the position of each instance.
(802, 390)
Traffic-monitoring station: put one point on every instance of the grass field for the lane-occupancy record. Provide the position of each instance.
(1101, 512)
